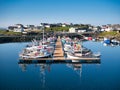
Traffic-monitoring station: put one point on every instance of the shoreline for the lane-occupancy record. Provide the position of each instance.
(27, 38)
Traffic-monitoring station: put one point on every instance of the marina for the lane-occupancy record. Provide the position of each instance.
(60, 45)
(59, 54)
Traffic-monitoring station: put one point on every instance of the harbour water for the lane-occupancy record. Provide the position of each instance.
(60, 76)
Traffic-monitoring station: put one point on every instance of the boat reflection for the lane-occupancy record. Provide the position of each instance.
(45, 65)
(23, 67)
(76, 67)
(43, 68)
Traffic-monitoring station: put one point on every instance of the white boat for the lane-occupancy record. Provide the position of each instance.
(78, 55)
(39, 49)
(67, 48)
(43, 53)
(36, 52)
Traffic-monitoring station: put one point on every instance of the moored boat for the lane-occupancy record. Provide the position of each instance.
(39, 49)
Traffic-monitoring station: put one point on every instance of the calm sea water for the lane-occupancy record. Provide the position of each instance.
(60, 76)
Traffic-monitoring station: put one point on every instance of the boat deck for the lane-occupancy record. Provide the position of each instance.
(59, 54)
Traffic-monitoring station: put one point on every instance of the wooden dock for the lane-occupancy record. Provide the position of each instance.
(59, 54)
(59, 58)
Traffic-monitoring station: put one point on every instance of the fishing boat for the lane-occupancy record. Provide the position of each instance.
(41, 49)
(81, 52)
(77, 55)
(34, 52)
(106, 41)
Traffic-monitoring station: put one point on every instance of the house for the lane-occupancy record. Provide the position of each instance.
(90, 27)
(11, 28)
(108, 27)
(116, 27)
(72, 30)
(38, 27)
(63, 25)
(47, 25)
(95, 28)
(31, 27)
(103, 27)
(81, 30)
(20, 28)
(16, 28)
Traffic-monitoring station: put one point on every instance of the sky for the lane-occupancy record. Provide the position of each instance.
(95, 12)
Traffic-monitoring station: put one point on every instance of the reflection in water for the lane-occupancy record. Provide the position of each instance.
(43, 68)
(42, 74)
(75, 65)
(23, 67)
(78, 69)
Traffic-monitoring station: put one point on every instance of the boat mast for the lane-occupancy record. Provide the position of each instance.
(43, 34)
(81, 46)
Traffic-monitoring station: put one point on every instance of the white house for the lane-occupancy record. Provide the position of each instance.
(72, 30)
(102, 29)
(16, 28)
(81, 30)
(95, 28)
(19, 28)
(47, 26)
(63, 25)
(109, 29)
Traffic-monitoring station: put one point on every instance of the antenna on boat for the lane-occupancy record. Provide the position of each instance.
(43, 33)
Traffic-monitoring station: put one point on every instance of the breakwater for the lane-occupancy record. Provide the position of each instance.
(27, 38)
(5, 39)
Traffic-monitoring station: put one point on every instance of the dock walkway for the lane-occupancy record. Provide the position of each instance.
(58, 53)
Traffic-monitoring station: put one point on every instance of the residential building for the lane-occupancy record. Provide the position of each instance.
(16, 28)
(81, 30)
(47, 25)
(72, 30)
(110, 27)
